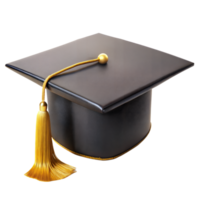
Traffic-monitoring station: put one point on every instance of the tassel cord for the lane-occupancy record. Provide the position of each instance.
(60, 71)
(47, 167)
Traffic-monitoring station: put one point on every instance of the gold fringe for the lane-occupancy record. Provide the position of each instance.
(47, 166)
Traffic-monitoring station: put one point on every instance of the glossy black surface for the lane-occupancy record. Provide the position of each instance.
(131, 71)
(99, 135)
(119, 92)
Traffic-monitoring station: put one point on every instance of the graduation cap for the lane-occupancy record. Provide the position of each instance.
(99, 108)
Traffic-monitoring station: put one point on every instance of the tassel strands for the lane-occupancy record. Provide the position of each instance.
(47, 166)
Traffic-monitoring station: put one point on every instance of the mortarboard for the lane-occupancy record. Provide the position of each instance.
(101, 108)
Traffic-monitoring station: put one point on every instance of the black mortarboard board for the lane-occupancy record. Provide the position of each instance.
(100, 111)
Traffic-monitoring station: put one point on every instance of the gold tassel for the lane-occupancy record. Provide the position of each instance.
(47, 166)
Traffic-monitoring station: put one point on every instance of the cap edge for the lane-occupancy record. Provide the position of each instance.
(88, 103)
